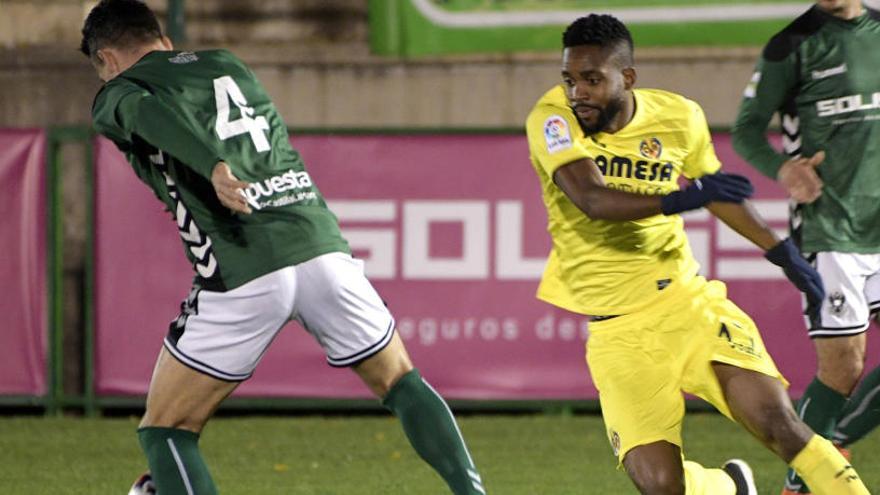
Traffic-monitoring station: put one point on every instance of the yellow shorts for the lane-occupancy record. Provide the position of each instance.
(642, 362)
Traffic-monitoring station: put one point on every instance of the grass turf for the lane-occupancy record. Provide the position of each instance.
(529, 454)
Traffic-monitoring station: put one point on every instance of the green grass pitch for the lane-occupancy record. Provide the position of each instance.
(365, 455)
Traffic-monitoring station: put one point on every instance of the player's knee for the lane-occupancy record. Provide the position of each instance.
(843, 353)
(659, 481)
(381, 385)
(383, 370)
(170, 419)
(655, 470)
(842, 374)
(381, 379)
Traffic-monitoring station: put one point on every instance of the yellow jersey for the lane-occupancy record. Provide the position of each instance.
(599, 267)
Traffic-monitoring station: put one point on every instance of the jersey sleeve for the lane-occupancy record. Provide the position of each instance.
(701, 159)
(766, 93)
(123, 109)
(554, 137)
(104, 110)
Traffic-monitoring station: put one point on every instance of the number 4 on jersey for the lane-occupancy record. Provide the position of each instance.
(225, 89)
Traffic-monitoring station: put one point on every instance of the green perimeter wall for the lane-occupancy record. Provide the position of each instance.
(399, 27)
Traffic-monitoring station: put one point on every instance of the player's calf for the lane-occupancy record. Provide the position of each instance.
(779, 428)
(433, 433)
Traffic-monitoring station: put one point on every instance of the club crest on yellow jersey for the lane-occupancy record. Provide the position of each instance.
(651, 148)
(614, 438)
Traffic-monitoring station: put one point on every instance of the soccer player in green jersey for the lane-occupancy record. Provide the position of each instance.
(822, 75)
(201, 132)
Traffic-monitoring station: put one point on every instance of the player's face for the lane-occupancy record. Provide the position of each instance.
(596, 86)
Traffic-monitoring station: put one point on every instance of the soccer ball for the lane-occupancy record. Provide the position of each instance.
(143, 486)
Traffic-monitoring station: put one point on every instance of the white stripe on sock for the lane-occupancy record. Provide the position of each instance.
(859, 410)
(180, 467)
(454, 423)
(474, 475)
(804, 407)
(478, 487)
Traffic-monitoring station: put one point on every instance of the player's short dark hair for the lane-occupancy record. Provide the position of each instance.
(602, 30)
(118, 23)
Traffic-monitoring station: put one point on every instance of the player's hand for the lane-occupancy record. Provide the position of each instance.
(798, 176)
(730, 188)
(229, 189)
(799, 272)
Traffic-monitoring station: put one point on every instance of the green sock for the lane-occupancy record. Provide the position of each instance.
(862, 413)
(175, 462)
(819, 407)
(431, 429)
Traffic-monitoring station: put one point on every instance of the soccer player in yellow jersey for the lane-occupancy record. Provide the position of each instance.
(608, 157)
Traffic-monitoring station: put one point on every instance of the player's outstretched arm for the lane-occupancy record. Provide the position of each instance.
(584, 185)
(717, 187)
(748, 223)
(745, 221)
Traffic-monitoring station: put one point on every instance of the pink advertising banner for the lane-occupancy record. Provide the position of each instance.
(452, 229)
(23, 302)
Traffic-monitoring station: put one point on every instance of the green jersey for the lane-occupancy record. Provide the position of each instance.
(822, 74)
(175, 115)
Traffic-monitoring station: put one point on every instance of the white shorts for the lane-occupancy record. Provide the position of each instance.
(224, 334)
(852, 293)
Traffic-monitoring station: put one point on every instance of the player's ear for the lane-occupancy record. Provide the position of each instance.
(166, 43)
(629, 78)
(107, 63)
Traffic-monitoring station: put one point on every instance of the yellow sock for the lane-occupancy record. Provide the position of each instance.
(701, 481)
(825, 471)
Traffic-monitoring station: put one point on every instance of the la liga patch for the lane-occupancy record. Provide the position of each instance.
(556, 134)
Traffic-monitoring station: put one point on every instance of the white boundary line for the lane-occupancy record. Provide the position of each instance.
(647, 15)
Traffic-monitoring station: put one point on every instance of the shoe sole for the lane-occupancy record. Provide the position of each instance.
(747, 473)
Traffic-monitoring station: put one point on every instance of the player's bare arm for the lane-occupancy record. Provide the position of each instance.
(748, 223)
(582, 182)
(798, 176)
(745, 221)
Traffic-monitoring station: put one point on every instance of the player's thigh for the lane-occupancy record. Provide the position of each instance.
(181, 397)
(723, 333)
(225, 334)
(760, 403)
(639, 389)
(342, 310)
(852, 288)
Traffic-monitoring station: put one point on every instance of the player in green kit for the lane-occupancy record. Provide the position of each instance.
(201, 132)
(822, 75)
